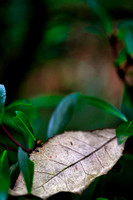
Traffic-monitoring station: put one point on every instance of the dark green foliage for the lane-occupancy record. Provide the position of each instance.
(27, 168)
(4, 176)
(124, 131)
(25, 128)
(99, 12)
(126, 34)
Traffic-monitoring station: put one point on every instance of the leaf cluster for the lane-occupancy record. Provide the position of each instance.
(19, 132)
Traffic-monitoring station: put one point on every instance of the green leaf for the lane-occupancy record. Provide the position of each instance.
(92, 28)
(64, 111)
(49, 101)
(124, 131)
(128, 41)
(105, 106)
(100, 13)
(2, 101)
(126, 34)
(27, 168)
(28, 109)
(4, 176)
(101, 199)
(62, 115)
(24, 126)
(121, 58)
(127, 103)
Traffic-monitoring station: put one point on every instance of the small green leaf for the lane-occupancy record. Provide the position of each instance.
(105, 106)
(2, 101)
(124, 131)
(62, 114)
(28, 109)
(27, 168)
(24, 126)
(4, 176)
(101, 199)
(121, 58)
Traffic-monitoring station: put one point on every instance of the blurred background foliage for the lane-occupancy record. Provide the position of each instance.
(59, 47)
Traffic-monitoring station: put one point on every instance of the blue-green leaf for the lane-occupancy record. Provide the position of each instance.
(64, 111)
(99, 11)
(4, 176)
(62, 114)
(126, 34)
(128, 41)
(27, 168)
(2, 101)
(24, 126)
(124, 131)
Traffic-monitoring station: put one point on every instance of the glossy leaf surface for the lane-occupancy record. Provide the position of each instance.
(27, 169)
(4, 176)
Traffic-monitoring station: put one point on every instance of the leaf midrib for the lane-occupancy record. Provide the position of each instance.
(110, 140)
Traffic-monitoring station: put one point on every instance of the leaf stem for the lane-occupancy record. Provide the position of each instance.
(8, 147)
(13, 140)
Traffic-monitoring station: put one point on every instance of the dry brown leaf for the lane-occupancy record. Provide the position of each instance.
(71, 161)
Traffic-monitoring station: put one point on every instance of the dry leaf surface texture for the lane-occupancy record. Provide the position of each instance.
(71, 161)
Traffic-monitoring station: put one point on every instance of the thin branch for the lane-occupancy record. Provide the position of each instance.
(13, 140)
(7, 147)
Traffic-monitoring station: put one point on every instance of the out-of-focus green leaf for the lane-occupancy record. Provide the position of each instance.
(19, 104)
(126, 34)
(61, 32)
(105, 106)
(98, 11)
(64, 111)
(27, 169)
(101, 199)
(127, 103)
(128, 41)
(2, 101)
(4, 176)
(50, 101)
(62, 114)
(124, 131)
(121, 58)
(24, 126)
(94, 30)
